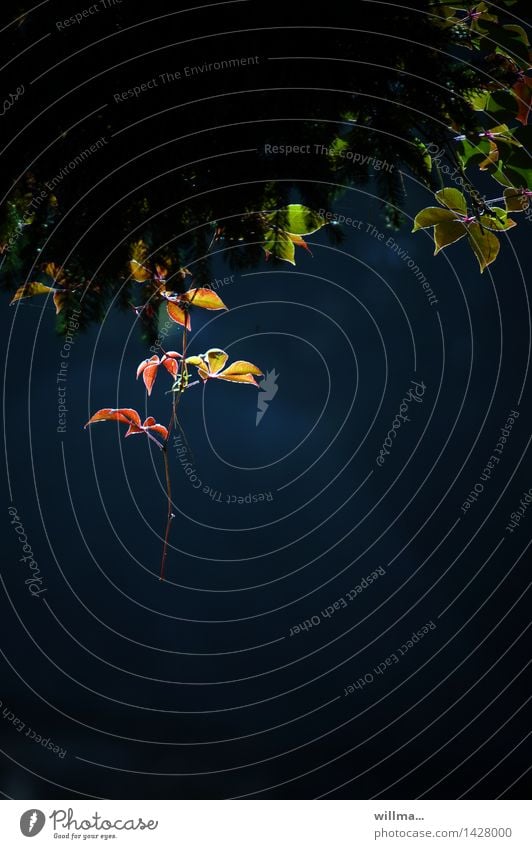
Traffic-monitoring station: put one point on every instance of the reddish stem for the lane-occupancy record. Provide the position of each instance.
(169, 514)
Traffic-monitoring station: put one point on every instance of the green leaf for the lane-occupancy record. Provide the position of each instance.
(452, 199)
(446, 234)
(500, 104)
(499, 221)
(485, 245)
(510, 43)
(469, 152)
(278, 244)
(432, 215)
(427, 158)
(517, 166)
(298, 219)
(336, 148)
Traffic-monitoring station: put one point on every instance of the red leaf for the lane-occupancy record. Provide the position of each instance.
(148, 370)
(523, 91)
(108, 414)
(170, 365)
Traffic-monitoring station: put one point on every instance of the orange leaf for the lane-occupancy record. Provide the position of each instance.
(60, 299)
(55, 271)
(139, 272)
(178, 314)
(108, 414)
(299, 241)
(29, 290)
(205, 298)
(151, 424)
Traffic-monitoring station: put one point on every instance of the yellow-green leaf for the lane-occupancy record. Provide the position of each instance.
(298, 219)
(499, 221)
(205, 298)
(195, 361)
(447, 233)
(242, 367)
(485, 245)
(432, 215)
(278, 244)
(216, 359)
(452, 199)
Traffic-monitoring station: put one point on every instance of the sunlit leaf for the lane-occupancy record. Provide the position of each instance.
(216, 359)
(298, 219)
(149, 424)
(178, 314)
(131, 418)
(469, 152)
(432, 215)
(499, 220)
(237, 378)
(29, 290)
(55, 271)
(139, 272)
(485, 245)
(211, 363)
(195, 361)
(138, 264)
(169, 361)
(299, 241)
(491, 158)
(60, 299)
(446, 234)
(204, 298)
(278, 244)
(108, 414)
(240, 367)
(452, 199)
(148, 370)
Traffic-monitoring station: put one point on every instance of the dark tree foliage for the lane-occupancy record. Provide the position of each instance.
(183, 170)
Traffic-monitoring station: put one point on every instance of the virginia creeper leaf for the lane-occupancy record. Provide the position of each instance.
(446, 234)
(108, 414)
(216, 359)
(499, 221)
(298, 219)
(452, 199)
(485, 245)
(515, 200)
(178, 314)
(205, 298)
(432, 215)
(29, 290)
